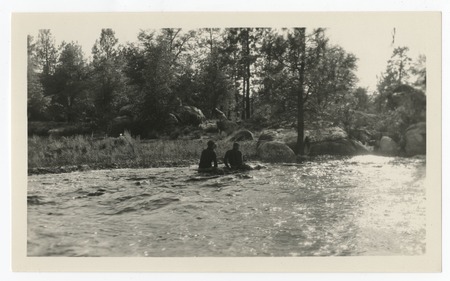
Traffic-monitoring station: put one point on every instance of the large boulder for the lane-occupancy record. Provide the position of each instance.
(363, 119)
(362, 135)
(330, 140)
(242, 135)
(226, 126)
(323, 134)
(388, 146)
(287, 136)
(172, 120)
(334, 141)
(337, 147)
(275, 152)
(415, 139)
(267, 136)
(220, 114)
(327, 134)
(209, 126)
(190, 115)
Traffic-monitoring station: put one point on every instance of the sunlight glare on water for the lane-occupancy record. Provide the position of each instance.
(365, 205)
(371, 159)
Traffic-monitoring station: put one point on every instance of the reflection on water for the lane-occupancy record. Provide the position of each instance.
(365, 205)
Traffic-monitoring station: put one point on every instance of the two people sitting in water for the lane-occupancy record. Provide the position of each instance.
(233, 159)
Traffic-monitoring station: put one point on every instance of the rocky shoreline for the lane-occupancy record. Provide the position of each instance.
(269, 146)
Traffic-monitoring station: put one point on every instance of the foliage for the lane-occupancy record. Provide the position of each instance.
(419, 72)
(46, 52)
(329, 74)
(330, 79)
(401, 100)
(106, 78)
(68, 88)
(256, 74)
(397, 72)
(37, 102)
(352, 113)
(151, 74)
(213, 85)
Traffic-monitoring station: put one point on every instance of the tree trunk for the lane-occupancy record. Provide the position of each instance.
(244, 86)
(247, 100)
(210, 40)
(236, 95)
(300, 117)
(247, 76)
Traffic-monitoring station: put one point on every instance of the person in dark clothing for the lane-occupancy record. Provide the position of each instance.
(207, 158)
(233, 159)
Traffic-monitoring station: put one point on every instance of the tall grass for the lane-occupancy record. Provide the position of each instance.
(125, 151)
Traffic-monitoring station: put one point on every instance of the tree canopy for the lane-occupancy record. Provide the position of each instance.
(267, 75)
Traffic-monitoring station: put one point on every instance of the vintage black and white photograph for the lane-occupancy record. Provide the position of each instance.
(249, 140)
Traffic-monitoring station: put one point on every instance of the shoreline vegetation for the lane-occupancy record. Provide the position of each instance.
(48, 155)
(62, 154)
(292, 91)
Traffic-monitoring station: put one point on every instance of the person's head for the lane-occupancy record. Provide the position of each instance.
(235, 146)
(211, 144)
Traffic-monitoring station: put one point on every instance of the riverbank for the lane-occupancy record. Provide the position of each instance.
(48, 155)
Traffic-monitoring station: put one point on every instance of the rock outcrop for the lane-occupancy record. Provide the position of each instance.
(331, 141)
(190, 115)
(242, 135)
(345, 147)
(388, 146)
(172, 120)
(226, 126)
(415, 139)
(275, 152)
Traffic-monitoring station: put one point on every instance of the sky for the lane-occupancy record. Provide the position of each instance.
(370, 43)
(373, 47)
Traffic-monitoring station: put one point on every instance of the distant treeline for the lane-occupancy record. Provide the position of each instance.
(248, 73)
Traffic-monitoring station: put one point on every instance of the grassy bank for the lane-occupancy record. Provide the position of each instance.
(84, 152)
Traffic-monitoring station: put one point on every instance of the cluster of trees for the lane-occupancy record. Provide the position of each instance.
(398, 102)
(401, 96)
(248, 73)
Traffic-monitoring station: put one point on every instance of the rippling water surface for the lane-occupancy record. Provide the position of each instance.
(365, 205)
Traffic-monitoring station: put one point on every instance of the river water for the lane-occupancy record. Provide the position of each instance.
(360, 206)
